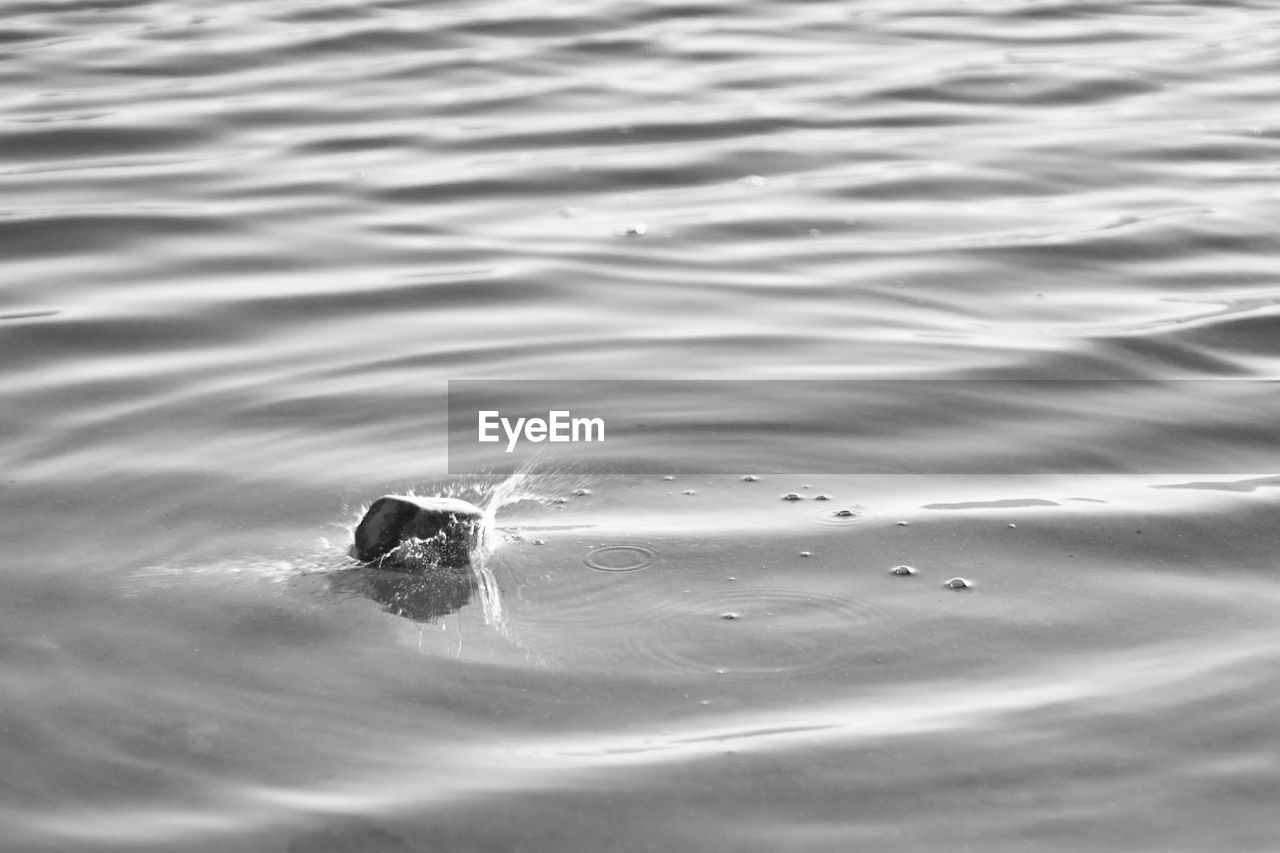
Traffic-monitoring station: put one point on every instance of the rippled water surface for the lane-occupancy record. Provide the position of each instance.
(244, 247)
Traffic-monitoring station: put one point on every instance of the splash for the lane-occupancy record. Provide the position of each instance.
(491, 494)
(422, 595)
(526, 483)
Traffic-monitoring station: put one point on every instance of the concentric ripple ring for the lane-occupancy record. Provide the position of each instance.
(619, 558)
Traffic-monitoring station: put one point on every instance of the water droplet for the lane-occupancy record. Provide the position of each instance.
(958, 583)
(730, 615)
(792, 496)
(840, 516)
(749, 478)
(635, 229)
(822, 497)
(902, 570)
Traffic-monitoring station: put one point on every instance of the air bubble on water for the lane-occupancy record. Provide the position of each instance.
(581, 493)
(815, 232)
(570, 212)
(690, 491)
(1013, 525)
(635, 229)
(559, 500)
(958, 583)
(537, 542)
(749, 478)
(730, 615)
(845, 513)
(902, 570)
(668, 479)
(719, 672)
(792, 496)
(903, 523)
(753, 181)
(806, 553)
(822, 497)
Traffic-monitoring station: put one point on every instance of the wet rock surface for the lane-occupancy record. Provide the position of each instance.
(410, 533)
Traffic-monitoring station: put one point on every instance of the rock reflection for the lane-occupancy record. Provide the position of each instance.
(420, 597)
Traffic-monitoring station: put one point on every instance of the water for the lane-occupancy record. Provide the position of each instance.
(243, 248)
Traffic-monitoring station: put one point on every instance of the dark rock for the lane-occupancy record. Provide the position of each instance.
(414, 533)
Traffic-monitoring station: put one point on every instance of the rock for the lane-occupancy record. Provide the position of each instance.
(414, 533)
